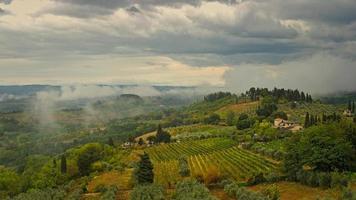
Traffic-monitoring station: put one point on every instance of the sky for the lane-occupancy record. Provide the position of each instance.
(235, 44)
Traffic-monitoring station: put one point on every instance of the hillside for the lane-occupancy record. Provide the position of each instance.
(224, 147)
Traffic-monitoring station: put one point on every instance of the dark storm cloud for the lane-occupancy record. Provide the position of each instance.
(6, 1)
(330, 11)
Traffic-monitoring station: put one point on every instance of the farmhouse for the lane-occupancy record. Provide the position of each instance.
(347, 113)
(288, 125)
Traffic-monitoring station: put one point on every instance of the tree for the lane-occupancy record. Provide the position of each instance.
(63, 164)
(144, 171)
(281, 115)
(349, 106)
(111, 142)
(230, 117)
(140, 141)
(307, 120)
(322, 148)
(89, 154)
(244, 122)
(353, 107)
(10, 182)
(162, 136)
(325, 148)
(212, 119)
(147, 192)
(183, 167)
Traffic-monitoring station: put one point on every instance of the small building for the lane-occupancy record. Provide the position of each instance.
(127, 145)
(347, 113)
(288, 125)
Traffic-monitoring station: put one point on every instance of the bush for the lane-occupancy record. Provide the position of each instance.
(338, 180)
(235, 191)
(212, 119)
(183, 167)
(348, 194)
(191, 189)
(273, 177)
(324, 180)
(313, 179)
(147, 192)
(256, 179)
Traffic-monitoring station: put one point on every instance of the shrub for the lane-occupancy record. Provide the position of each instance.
(191, 189)
(256, 179)
(338, 180)
(183, 167)
(348, 194)
(324, 180)
(147, 192)
(233, 190)
(273, 177)
(313, 179)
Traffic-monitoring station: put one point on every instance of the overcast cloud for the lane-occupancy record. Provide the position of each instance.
(237, 44)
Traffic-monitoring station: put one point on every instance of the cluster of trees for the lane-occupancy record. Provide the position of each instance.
(238, 192)
(162, 136)
(323, 148)
(244, 122)
(288, 94)
(217, 96)
(213, 119)
(311, 120)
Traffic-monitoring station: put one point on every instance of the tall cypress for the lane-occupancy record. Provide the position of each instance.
(353, 107)
(144, 170)
(307, 120)
(63, 164)
(349, 105)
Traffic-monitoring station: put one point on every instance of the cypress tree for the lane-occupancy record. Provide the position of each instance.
(63, 164)
(302, 96)
(311, 123)
(144, 170)
(353, 107)
(111, 142)
(349, 105)
(307, 120)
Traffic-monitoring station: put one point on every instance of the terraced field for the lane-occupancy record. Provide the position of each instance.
(202, 155)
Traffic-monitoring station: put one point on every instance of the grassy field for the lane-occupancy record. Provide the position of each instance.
(249, 108)
(295, 191)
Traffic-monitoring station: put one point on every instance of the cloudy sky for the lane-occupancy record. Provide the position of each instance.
(306, 44)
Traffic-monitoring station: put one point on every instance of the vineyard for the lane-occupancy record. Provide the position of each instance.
(298, 114)
(174, 151)
(218, 153)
